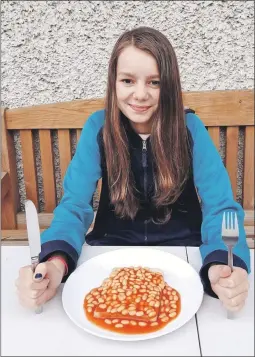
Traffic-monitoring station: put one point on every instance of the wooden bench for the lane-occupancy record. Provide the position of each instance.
(232, 111)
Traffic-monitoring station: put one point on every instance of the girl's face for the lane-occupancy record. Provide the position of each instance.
(137, 87)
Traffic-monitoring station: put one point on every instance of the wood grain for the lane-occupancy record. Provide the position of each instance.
(29, 168)
(10, 205)
(248, 180)
(5, 184)
(232, 156)
(214, 132)
(64, 143)
(47, 170)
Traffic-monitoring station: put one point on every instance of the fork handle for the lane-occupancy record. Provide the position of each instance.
(230, 314)
(230, 258)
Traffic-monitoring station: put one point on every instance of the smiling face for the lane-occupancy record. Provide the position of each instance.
(137, 87)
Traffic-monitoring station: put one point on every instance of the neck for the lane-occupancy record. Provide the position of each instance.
(141, 128)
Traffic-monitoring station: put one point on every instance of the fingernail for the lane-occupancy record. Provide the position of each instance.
(38, 276)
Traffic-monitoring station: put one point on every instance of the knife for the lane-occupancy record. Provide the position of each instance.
(34, 237)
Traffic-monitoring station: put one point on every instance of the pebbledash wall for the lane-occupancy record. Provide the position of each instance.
(56, 51)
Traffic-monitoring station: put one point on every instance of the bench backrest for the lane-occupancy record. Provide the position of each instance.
(231, 110)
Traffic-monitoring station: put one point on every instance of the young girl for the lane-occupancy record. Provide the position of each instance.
(153, 157)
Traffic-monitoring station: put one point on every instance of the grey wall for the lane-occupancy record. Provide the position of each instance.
(58, 50)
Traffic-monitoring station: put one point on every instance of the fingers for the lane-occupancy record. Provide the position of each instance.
(236, 301)
(235, 279)
(41, 299)
(40, 271)
(216, 272)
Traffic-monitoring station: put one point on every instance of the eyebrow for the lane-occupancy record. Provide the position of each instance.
(132, 75)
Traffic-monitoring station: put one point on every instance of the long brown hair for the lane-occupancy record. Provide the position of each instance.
(168, 138)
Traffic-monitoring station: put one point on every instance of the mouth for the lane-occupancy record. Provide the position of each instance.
(139, 109)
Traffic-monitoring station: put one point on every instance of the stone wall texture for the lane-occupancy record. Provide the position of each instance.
(59, 50)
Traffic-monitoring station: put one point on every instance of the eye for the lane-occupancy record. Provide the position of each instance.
(155, 83)
(126, 81)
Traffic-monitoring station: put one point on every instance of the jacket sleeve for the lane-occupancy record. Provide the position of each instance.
(214, 188)
(74, 214)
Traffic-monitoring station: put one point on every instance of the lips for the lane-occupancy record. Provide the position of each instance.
(137, 108)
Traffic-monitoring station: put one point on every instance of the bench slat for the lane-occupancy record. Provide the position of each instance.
(232, 155)
(64, 143)
(214, 132)
(29, 168)
(212, 106)
(47, 170)
(248, 180)
(78, 134)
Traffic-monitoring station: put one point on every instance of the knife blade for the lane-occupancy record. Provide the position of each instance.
(34, 237)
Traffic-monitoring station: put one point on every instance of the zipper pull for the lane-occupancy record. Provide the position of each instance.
(144, 158)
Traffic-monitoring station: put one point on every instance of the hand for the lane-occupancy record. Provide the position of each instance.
(34, 289)
(231, 288)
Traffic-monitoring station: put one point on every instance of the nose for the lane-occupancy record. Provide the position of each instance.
(140, 92)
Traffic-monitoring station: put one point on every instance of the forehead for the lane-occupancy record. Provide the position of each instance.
(136, 61)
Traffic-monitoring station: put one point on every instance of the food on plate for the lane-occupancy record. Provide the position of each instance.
(132, 300)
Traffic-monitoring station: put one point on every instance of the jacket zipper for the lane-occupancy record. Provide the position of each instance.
(144, 164)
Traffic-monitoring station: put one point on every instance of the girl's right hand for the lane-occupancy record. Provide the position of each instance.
(35, 289)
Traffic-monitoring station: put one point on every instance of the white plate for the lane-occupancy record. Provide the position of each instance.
(177, 273)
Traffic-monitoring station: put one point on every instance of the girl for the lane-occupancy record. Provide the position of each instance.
(153, 157)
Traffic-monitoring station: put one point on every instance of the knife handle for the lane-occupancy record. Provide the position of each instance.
(34, 263)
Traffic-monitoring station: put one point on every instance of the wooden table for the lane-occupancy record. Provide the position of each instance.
(51, 333)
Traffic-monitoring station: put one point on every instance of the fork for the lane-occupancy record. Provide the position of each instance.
(230, 235)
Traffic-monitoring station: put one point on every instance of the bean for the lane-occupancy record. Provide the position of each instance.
(118, 325)
(134, 323)
(151, 314)
(165, 319)
(122, 307)
(174, 306)
(152, 303)
(172, 314)
(115, 321)
(176, 298)
(162, 315)
(141, 323)
(154, 323)
(154, 319)
(173, 292)
(101, 300)
(108, 322)
(124, 312)
(89, 309)
(139, 313)
(132, 313)
(124, 322)
(102, 306)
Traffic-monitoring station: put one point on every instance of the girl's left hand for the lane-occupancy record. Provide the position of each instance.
(231, 288)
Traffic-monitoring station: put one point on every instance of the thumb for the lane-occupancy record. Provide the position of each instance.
(218, 271)
(40, 272)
